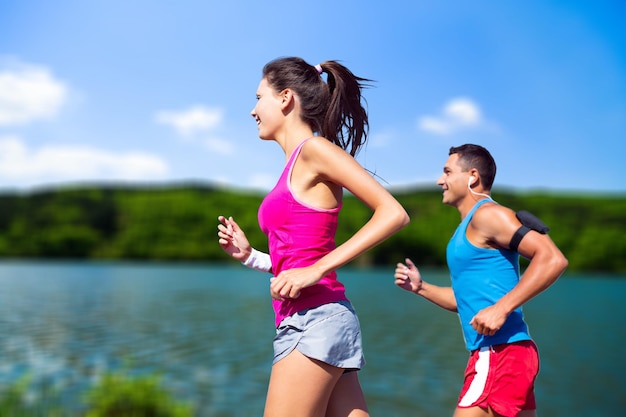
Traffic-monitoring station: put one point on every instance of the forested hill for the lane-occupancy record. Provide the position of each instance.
(179, 223)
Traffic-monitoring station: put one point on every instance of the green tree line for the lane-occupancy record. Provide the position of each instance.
(178, 222)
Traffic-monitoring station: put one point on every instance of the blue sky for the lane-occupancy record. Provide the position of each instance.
(161, 91)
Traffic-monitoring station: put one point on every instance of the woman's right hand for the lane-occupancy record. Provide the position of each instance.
(232, 239)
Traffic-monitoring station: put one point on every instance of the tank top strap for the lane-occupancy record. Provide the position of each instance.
(295, 153)
(477, 206)
(284, 178)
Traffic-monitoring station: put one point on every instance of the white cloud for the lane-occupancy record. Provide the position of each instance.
(458, 114)
(74, 163)
(262, 181)
(187, 122)
(380, 140)
(220, 146)
(29, 93)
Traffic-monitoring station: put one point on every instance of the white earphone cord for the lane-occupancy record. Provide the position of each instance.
(475, 193)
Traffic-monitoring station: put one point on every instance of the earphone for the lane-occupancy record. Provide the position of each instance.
(469, 183)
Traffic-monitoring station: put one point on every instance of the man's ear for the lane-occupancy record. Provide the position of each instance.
(473, 176)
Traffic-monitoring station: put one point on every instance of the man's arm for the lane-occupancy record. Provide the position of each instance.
(497, 225)
(409, 278)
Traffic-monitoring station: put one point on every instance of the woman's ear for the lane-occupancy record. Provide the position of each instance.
(286, 97)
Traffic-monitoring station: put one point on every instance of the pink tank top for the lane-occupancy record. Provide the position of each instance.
(299, 235)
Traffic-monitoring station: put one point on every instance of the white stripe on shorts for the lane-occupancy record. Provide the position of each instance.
(477, 386)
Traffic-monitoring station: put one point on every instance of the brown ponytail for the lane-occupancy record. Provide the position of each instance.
(332, 109)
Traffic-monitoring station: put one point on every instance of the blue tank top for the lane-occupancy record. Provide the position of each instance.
(480, 277)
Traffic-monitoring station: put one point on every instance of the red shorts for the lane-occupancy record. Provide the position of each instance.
(501, 377)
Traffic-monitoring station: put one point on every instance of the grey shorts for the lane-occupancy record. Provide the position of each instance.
(330, 333)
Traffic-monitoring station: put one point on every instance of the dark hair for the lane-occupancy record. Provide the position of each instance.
(475, 156)
(332, 109)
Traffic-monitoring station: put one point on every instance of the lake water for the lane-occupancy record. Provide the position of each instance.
(208, 330)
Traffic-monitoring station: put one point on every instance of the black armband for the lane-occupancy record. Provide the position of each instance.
(529, 222)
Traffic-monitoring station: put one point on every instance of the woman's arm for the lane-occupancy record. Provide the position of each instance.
(235, 243)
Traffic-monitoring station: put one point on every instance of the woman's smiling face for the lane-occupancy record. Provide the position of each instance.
(267, 112)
